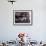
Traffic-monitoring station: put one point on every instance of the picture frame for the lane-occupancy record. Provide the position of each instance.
(22, 17)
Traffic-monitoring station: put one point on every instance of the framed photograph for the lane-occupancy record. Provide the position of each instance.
(22, 17)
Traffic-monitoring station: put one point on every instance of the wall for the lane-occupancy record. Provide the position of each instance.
(37, 31)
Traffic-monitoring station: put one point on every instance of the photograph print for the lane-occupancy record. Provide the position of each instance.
(22, 17)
